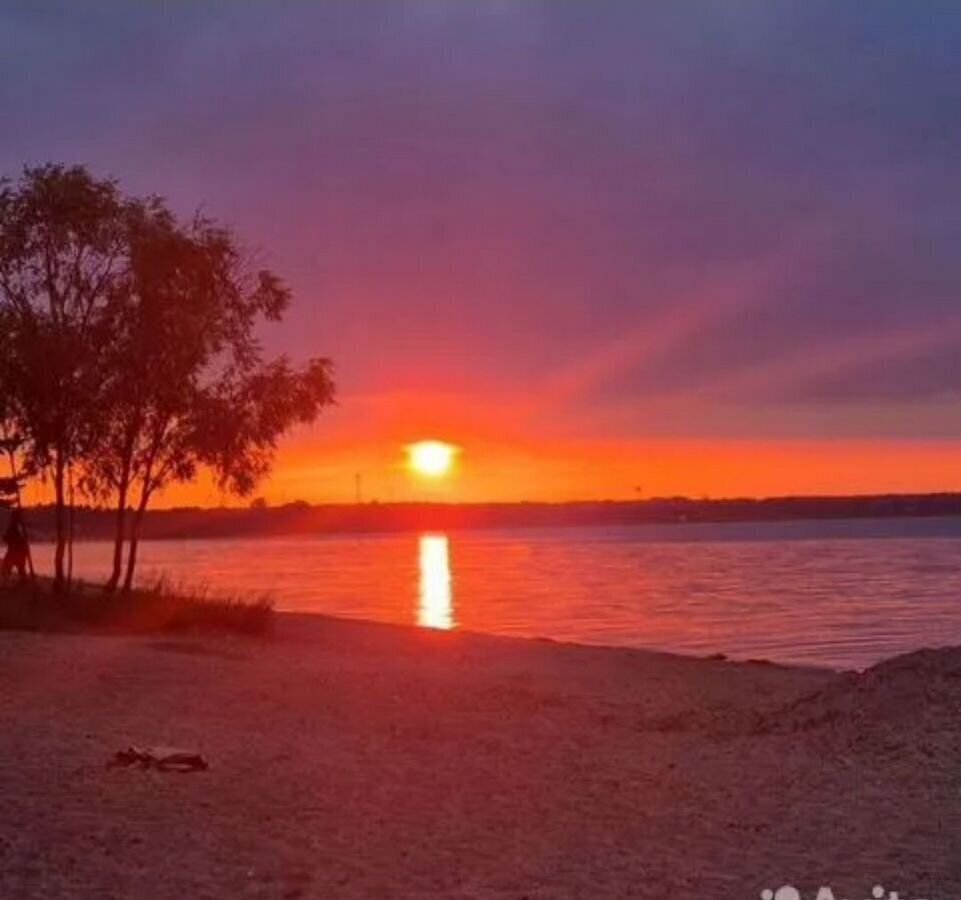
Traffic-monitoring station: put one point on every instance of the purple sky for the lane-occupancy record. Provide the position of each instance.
(685, 219)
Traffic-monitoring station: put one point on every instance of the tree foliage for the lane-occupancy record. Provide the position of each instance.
(63, 257)
(134, 359)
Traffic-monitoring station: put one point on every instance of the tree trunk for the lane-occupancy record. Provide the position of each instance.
(134, 541)
(118, 539)
(61, 524)
(71, 520)
(131, 559)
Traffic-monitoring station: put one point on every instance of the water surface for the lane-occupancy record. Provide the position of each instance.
(838, 593)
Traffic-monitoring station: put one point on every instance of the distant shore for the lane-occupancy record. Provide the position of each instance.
(304, 518)
(350, 759)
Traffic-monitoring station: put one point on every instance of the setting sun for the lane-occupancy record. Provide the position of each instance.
(433, 459)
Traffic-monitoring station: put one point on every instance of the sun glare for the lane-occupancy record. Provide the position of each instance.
(433, 459)
(436, 597)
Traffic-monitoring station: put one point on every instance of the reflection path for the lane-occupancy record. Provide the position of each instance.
(436, 608)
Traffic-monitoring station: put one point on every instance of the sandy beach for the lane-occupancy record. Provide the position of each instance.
(353, 760)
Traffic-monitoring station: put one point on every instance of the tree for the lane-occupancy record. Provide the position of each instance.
(130, 357)
(186, 383)
(63, 257)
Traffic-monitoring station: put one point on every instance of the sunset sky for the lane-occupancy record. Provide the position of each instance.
(607, 249)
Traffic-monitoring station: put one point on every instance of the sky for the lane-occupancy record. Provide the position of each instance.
(609, 249)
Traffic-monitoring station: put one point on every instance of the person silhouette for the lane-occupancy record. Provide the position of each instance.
(18, 547)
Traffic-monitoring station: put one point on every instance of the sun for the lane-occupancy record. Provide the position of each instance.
(433, 459)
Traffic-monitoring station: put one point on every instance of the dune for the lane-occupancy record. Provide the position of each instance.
(354, 760)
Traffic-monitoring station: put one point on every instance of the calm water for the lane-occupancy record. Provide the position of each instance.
(834, 593)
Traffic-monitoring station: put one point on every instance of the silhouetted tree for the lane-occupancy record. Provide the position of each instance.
(129, 351)
(63, 256)
(186, 386)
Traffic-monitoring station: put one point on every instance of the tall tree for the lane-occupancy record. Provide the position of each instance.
(63, 259)
(187, 385)
(130, 357)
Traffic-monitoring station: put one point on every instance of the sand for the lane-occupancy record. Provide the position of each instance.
(351, 760)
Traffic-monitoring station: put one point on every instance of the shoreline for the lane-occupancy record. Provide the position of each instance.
(291, 625)
(355, 759)
(661, 530)
(345, 519)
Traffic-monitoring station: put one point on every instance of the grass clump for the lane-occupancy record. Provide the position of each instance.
(156, 608)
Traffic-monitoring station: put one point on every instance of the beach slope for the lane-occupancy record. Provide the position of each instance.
(353, 760)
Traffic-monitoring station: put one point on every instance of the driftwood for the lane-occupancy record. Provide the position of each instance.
(164, 759)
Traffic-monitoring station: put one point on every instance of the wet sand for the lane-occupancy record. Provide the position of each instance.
(353, 760)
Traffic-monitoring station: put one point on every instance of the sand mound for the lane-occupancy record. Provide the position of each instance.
(889, 704)
(888, 707)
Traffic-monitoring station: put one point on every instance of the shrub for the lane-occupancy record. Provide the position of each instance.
(158, 608)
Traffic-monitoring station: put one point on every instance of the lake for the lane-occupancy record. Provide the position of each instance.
(836, 593)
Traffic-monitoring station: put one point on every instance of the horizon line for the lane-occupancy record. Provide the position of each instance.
(671, 498)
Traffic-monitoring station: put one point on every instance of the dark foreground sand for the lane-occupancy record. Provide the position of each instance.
(351, 760)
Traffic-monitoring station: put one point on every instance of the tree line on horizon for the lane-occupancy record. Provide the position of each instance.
(129, 356)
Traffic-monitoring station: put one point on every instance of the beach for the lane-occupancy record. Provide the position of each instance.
(356, 760)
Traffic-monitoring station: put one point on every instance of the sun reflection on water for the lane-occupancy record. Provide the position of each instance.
(436, 597)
